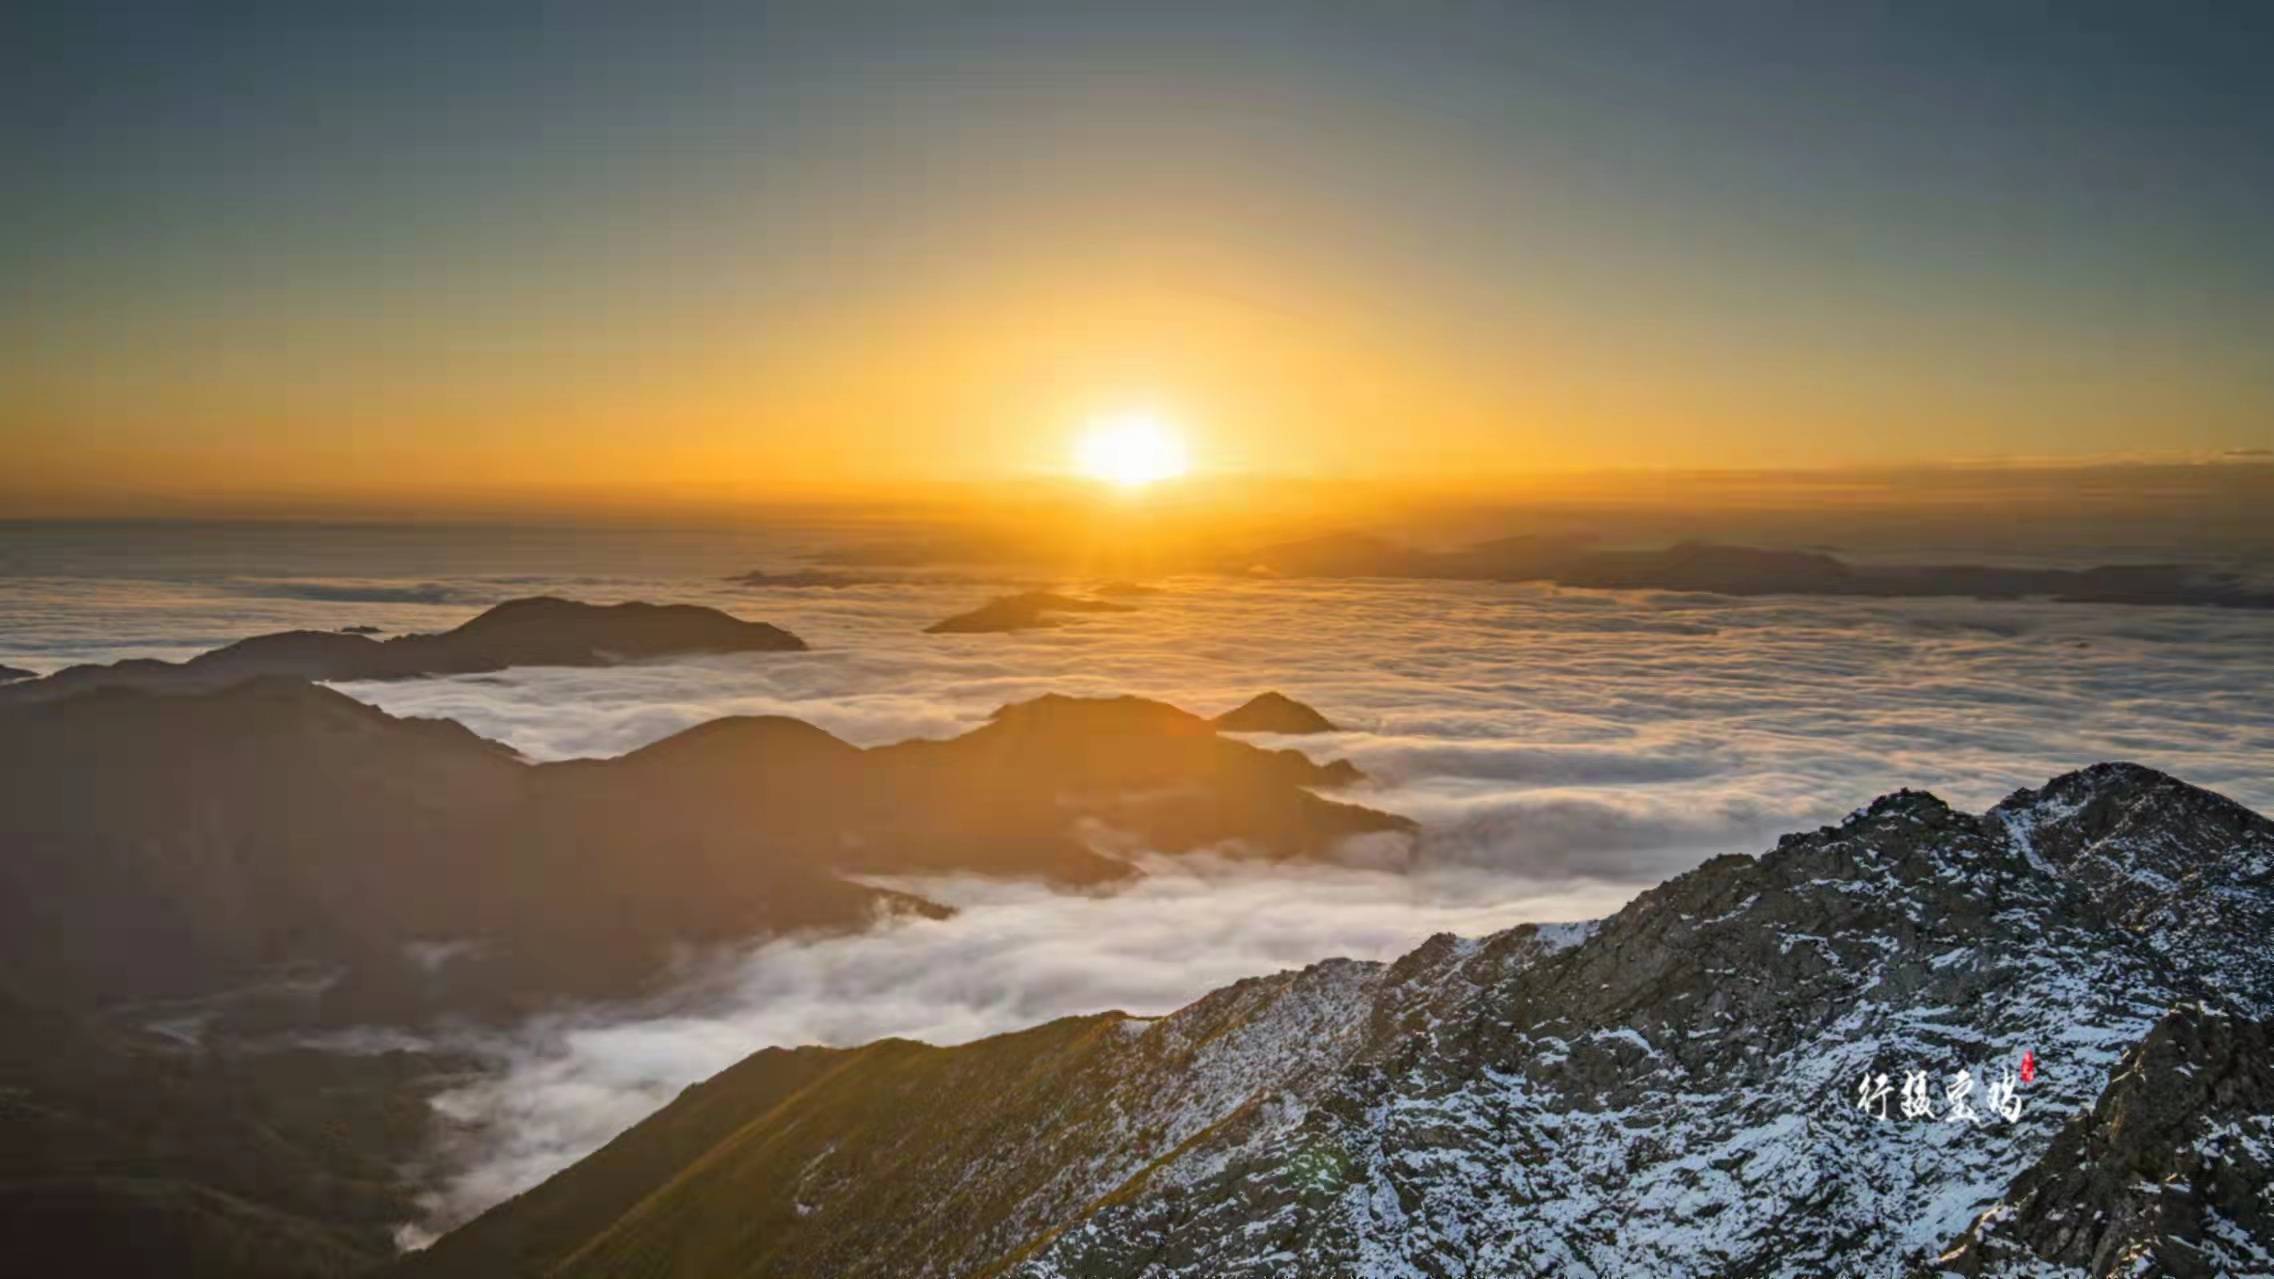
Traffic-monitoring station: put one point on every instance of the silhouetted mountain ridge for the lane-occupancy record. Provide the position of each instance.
(1743, 570)
(171, 845)
(1023, 611)
(1273, 712)
(539, 631)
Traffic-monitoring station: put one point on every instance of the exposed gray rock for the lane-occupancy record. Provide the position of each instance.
(1671, 1092)
(2170, 1173)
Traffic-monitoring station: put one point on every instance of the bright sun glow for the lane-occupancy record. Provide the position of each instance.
(1130, 450)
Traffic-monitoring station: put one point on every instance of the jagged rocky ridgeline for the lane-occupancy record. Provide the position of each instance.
(1672, 1091)
(540, 631)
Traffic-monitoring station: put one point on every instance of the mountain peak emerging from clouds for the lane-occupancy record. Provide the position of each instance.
(1273, 712)
(351, 834)
(538, 631)
(1026, 610)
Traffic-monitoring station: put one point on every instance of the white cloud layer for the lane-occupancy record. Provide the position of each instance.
(1563, 749)
(1015, 955)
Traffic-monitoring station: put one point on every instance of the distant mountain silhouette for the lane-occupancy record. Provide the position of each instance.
(804, 577)
(1024, 611)
(8, 673)
(1273, 712)
(540, 631)
(1743, 570)
(171, 846)
(230, 866)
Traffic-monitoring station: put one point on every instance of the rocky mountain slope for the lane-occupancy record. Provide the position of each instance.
(2167, 1174)
(1674, 1091)
(540, 631)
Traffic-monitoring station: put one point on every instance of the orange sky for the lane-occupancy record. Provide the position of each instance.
(433, 262)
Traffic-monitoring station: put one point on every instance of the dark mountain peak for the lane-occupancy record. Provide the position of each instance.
(2080, 809)
(2166, 1174)
(1724, 569)
(803, 578)
(2183, 868)
(539, 631)
(2133, 833)
(2140, 845)
(1432, 953)
(1709, 566)
(1905, 805)
(635, 629)
(260, 716)
(1341, 554)
(527, 607)
(2113, 776)
(753, 740)
(1023, 611)
(1058, 713)
(8, 673)
(1160, 779)
(1136, 742)
(1273, 712)
(1898, 826)
(277, 651)
(270, 702)
(255, 737)
(226, 831)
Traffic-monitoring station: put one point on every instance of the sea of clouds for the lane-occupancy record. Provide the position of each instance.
(1561, 749)
(1014, 955)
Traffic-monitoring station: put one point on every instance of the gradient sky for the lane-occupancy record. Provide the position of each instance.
(333, 249)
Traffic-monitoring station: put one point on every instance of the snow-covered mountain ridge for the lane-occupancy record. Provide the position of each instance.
(1685, 1088)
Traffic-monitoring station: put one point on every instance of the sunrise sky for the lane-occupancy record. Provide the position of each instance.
(401, 249)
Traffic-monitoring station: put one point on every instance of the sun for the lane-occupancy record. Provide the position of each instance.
(1130, 450)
